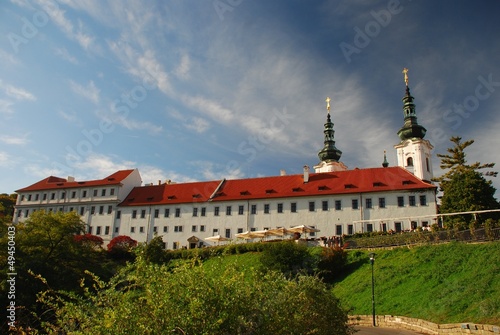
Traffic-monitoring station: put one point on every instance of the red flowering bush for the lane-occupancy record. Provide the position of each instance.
(121, 246)
(89, 240)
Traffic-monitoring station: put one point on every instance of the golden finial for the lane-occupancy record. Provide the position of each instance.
(328, 104)
(405, 71)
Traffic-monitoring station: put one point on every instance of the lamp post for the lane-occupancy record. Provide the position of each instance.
(372, 261)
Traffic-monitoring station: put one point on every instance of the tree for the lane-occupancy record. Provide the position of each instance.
(7, 203)
(121, 246)
(464, 185)
(46, 246)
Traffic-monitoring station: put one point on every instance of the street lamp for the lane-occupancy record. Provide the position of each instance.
(372, 261)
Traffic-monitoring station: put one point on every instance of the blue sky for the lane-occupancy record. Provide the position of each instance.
(200, 90)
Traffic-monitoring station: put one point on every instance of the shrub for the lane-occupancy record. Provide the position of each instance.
(121, 247)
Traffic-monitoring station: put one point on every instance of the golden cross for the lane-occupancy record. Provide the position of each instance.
(328, 104)
(405, 71)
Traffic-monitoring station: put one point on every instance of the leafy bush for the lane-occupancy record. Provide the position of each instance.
(287, 257)
(190, 299)
(121, 247)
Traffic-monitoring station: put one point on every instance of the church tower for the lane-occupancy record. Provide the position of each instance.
(414, 153)
(329, 156)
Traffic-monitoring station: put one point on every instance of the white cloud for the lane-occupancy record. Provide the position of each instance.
(16, 92)
(213, 171)
(58, 17)
(195, 123)
(5, 106)
(14, 140)
(127, 122)
(90, 92)
(182, 70)
(65, 55)
(6, 57)
(5, 159)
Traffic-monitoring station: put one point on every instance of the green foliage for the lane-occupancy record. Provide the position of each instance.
(198, 299)
(154, 251)
(331, 263)
(7, 203)
(45, 245)
(288, 257)
(446, 283)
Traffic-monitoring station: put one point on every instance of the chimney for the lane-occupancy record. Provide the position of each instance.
(306, 174)
(71, 179)
(282, 173)
(159, 181)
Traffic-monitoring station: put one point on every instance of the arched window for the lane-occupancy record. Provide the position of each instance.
(409, 161)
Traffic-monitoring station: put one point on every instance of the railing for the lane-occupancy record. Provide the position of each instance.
(418, 237)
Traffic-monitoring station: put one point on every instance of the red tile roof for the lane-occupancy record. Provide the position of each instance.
(171, 193)
(53, 183)
(342, 182)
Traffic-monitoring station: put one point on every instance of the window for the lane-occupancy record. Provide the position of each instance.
(266, 208)
(157, 213)
(414, 225)
(73, 195)
(103, 193)
(141, 230)
(215, 231)
(203, 211)
(95, 193)
(401, 201)
(427, 164)
(90, 230)
(398, 226)
(354, 205)
(92, 210)
(312, 206)
(177, 212)
(381, 202)
(134, 214)
(411, 200)
(253, 209)
(338, 230)
(52, 196)
(194, 229)
(228, 233)
(84, 194)
(338, 205)
(409, 161)
(44, 196)
(369, 227)
(195, 211)
(175, 245)
(132, 230)
(165, 229)
(22, 197)
(240, 230)
(293, 207)
(117, 230)
(29, 197)
(101, 210)
(324, 205)
(27, 213)
(423, 200)
(143, 214)
(37, 196)
(228, 210)
(19, 212)
(155, 229)
(368, 203)
(82, 211)
(112, 191)
(118, 214)
(178, 229)
(63, 195)
(350, 229)
(216, 210)
(280, 208)
(202, 228)
(241, 209)
(106, 230)
(167, 212)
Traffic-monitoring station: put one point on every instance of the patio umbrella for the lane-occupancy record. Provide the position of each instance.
(217, 238)
(303, 229)
(251, 234)
(278, 232)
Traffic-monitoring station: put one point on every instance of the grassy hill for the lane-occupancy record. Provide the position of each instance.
(447, 283)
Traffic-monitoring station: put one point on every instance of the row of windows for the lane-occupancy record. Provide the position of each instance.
(280, 208)
(98, 230)
(62, 195)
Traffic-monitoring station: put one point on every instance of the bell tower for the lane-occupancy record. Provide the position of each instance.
(414, 153)
(329, 156)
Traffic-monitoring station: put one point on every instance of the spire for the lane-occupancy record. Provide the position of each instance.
(411, 128)
(329, 153)
(385, 163)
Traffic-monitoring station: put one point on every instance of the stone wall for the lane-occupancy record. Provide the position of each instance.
(422, 326)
